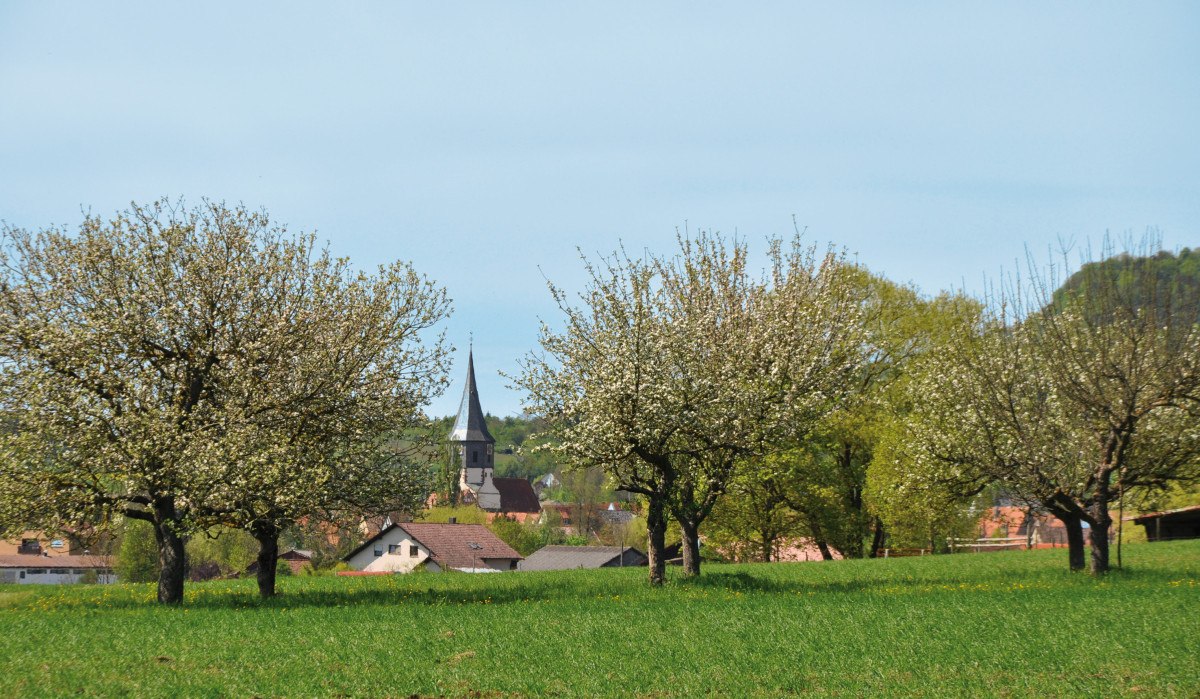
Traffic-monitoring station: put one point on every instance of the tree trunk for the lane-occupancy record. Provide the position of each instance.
(172, 561)
(1074, 527)
(691, 548)
(826, 554)
(267, 536)
(877, 538)
(1101, 524)
(768, 546)
(656, 535)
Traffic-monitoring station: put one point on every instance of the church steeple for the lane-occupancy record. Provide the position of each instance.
(475, 446)
(470, 426)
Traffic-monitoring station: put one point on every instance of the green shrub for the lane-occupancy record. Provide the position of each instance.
(137, 554)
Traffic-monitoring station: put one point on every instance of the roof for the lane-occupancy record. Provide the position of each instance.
(470, 426)
(1167, 513)
(615, 516)
(450, 545)
(302, 553)
(31, 561)
(568, 557)
(516, 495)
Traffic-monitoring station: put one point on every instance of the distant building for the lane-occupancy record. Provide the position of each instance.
(1183, 523)
(37, 543)
(295, 558)
(475, 452)
(406, 546)
(548, 480)
(24, 569)
(571, 557)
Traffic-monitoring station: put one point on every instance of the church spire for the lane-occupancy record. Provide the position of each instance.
(469, 426)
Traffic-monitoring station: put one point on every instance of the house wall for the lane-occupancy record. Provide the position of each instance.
(49, 576)
(12, 546)
(398, 562)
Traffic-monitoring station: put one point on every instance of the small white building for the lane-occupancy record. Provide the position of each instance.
(26, 569)
(401, 548)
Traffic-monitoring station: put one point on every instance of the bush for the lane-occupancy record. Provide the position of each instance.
(137, 555)
(282, 568)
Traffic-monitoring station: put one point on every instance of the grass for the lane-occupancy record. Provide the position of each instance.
(999, 624)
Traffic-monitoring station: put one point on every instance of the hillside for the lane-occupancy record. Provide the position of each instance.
(1003, 624)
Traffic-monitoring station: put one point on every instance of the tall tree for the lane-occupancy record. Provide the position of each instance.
(830, 470)
(166, 363)
(1069, 400)
(678, 369)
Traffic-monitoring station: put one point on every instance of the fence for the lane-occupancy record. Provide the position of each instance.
(1011, 543)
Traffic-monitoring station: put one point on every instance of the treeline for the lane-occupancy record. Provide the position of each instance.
(816, 398)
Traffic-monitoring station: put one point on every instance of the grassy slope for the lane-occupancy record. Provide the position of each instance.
(1002, 624)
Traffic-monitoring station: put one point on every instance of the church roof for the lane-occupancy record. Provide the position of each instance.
(469, 426)
(516, 495)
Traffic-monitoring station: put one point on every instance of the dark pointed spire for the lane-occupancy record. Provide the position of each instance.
(470, 426)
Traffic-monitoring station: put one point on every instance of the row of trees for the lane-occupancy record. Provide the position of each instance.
(195, 368)
(816, 398)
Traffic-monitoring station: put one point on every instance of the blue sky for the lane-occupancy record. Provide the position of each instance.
(485, 142)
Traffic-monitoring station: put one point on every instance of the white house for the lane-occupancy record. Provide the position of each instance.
(25, 569)
(401, 548)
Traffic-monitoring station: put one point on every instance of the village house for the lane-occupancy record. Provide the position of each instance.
(38, 543)
(25, 569)
(404, 547)
(295, 558)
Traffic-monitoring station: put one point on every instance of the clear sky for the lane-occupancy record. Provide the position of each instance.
(486, 141)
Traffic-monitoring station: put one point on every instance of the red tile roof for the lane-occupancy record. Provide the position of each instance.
(450, 544)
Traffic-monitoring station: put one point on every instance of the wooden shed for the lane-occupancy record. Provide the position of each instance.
(1183, 523)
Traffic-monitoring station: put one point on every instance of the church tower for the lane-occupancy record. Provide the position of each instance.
(475, 446)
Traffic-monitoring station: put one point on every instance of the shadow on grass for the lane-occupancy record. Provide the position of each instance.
(450, 589)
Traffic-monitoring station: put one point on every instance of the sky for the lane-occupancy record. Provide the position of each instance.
(489, 143)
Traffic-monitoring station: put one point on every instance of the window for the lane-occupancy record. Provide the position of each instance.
(22, 575)
(29, 546)
(512, 565)
(412, 550)
(378, 549)
(393, 548)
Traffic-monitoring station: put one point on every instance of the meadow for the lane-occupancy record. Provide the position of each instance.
(1001, 624)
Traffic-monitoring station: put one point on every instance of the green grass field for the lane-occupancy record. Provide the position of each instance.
(1000, 624)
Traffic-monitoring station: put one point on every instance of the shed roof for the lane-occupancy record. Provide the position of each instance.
(31, 561)
(569, 557)
(1182, 511)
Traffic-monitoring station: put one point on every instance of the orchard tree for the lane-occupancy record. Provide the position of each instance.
(677, 370)
(1069, 400)
(168, 362)
(1124, 357)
